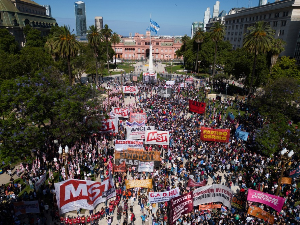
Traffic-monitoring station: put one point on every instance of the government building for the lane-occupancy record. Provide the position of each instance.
(138, 47)
(16, 14)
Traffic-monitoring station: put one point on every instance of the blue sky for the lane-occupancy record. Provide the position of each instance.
(132, 16)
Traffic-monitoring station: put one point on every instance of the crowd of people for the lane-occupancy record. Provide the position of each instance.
(234, 164)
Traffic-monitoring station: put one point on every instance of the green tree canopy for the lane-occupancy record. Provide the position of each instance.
(8, 42)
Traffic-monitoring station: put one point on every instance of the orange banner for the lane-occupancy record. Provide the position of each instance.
(138, 183)
(218, 135)
(138, 155)
(210, 206)
(259, 213)
(286, 180)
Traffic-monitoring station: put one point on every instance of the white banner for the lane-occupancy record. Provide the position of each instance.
(75, 194)
(213, 193)
(130, 89)
(146, 167)
(170, 83)
(109, 125)
(157, 137)
(40, 181)
(166, 196)
(121, 145)
(137, 132)
(183, 85)
(121, 112)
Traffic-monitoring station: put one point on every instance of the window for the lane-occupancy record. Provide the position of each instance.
(270, 15)
(265, 17)
(139, 50)
(237, 27)
(157, 43)
(143, 50)
(242, 20)
(241, 26)
(275, 24)
(285, 14)
(281, 32)
(157, 49)
(283, 23)
(276, 15)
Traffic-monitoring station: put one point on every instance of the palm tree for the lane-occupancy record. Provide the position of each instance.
(199, 38)
(94, 39)
(115, 39)
(258, 39)
(277, 47)
(107, 32)
(65, 45)
(217, 32)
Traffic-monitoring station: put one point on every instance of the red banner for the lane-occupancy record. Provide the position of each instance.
(197, 107)
(180, 205)
(120, 168)
(121, 112)
(192, 183)
(218, 135)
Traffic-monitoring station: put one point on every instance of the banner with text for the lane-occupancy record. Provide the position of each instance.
(120, 168)
(138, 117)
(180, 205)
(210, 206)
(137, 132)
(218, 135)
(213, 193)
(192, 183)
(130, 90)
(146, 167)
(86, 194)
(285, 180)
(121, 112)
(296, 172)
(197, 107)
(147, 183)
(166, 196)
(40, 181)
(273, 201)
(121, 145)
(259, 213)
(138, 155)
(26, 207)
(157, 137)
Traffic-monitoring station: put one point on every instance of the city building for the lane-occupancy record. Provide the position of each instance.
(80, 18)
(99, 22)
(195, 27)
(206, 18)
(216, 9)
(48, 10)
(16, 14)
(283, 17)
(262, 2)
(138, 47)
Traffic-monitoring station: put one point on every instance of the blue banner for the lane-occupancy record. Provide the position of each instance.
(296, 172)
(241, 135)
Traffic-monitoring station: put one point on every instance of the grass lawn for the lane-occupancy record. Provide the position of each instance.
(127, 67)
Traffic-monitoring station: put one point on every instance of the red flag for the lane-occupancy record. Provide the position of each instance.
(192, 183)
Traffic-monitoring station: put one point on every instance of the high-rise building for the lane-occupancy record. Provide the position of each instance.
(80, 18)
(48, 10)
(263, 2)
(99, 22)
(206, 17)
(216, 9)
(195, 27)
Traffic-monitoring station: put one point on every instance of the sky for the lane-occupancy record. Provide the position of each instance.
(132, 16)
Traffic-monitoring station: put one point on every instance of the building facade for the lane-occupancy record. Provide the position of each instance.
(99, 22)
(216, 9)
(262, 2)
(283, 17)
(80, 18)
(195, 27)
(48, 10)
(16, 14)
(206, 18)
(138, 47)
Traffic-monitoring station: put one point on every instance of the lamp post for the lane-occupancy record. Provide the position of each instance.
(226, 89)
(286, 157)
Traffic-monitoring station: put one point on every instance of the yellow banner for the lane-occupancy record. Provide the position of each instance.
(138, 183)
(286, 180)
(259, 213)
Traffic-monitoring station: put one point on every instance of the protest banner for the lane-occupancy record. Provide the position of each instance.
(180, 205)
(273, 201)
(40, 181)
(197, 107)
(213, 193)
(134, 78)
(130, 90)
(241, 135)
(146, 167)
(238, 202)
(120, 168)
(138, 155)
(166, 196)
(210, 206)
(137, 132)
(218, 135)
(285, 180)
(121, 145)
(259, 213)
(170, 83)
(121, 112)
(138, 117)
(147, 183)
(86, 194)
(189, 80)
(192, 183)
(157, 137)
(26, 207)
(295, 173)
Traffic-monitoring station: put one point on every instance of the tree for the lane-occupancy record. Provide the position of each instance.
(65, 45)
(258, 40)
(217, 33)
(8, 42)
(199, 38)
(276, 48)
(107, 32)
(94, 39)
(33, 37)
(285, 67)
(115, 39)
(182, 51)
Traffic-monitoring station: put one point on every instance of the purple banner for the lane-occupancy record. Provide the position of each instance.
(180, 205)
(273, 201)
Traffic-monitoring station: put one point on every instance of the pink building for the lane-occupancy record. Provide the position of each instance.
(138, 47)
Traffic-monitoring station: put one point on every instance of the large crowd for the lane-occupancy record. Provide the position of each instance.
(234, 164)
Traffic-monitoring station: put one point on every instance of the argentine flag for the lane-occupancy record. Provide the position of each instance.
(154, 26)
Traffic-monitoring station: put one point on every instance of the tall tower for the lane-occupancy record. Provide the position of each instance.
(99, 22)
(80, 18)
(262, 2)
(216, 9)
(206, 18)
(48, 10)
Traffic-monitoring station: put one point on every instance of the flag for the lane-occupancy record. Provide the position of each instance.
(154, 26)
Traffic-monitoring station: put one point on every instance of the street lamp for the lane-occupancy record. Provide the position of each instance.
(226, 89)
(286, 157)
